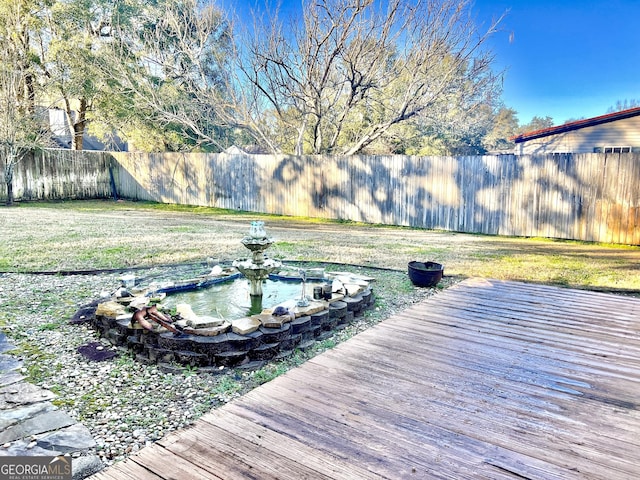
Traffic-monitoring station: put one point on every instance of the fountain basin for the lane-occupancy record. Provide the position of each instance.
(238, 346)
(256, 273)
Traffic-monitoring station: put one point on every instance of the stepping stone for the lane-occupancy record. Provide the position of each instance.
(21, 448)
(9, 363)
(70, 439)
(23, 393)
(10, 378)
(13, 416)
(96, 352)
(44, 422)
(5, 346)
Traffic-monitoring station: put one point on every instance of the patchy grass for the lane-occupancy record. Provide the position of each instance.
(268, 373)
(88, 235)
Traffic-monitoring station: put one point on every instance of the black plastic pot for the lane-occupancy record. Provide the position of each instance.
(425, 274)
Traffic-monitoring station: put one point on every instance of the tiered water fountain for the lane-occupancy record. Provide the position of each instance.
(258, 268)
(145, 321)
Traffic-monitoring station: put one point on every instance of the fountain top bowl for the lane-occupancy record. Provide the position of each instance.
(250, 241)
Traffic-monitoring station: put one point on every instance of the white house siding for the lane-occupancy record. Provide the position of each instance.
(58, 122)
(619, 133)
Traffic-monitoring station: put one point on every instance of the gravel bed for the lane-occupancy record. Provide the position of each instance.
(127, 405)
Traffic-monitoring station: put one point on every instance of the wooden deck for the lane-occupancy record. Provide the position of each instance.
(487, 379)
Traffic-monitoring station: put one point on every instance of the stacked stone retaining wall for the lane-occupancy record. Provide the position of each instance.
(213, 353)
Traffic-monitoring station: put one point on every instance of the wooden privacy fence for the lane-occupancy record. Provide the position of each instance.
(59, 174)
(592, 197)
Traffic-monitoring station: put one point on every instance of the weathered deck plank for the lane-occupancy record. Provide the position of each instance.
(488, 379)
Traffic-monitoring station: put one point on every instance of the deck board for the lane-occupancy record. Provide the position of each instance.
(487, 379)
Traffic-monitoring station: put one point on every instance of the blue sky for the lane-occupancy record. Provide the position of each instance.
(566, 59)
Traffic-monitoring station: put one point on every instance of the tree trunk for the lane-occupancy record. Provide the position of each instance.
(9, 193)
(77, 142)
(79, 125)
(29, 82)
(8, 178)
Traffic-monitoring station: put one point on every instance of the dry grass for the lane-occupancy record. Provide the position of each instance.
(101, 234)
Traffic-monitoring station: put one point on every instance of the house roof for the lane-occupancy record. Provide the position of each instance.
(567, 127)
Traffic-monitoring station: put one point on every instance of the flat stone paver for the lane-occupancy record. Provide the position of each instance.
(67, 440)
(23, 393)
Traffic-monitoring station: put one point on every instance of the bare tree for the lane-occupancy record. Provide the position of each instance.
(624, 105)
(355, 69)
(341, 81)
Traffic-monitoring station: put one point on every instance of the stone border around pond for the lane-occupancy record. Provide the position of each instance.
(228, 350)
